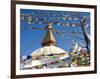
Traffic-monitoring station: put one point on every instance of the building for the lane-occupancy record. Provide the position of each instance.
(49, 55)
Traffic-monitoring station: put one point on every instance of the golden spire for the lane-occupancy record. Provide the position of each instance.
(49, 38)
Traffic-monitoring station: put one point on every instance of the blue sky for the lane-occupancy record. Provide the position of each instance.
(30, 40)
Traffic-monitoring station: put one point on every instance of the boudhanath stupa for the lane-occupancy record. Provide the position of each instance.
(49, 55)
(49, 45)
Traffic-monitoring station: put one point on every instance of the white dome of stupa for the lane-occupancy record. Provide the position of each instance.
(48, 50)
